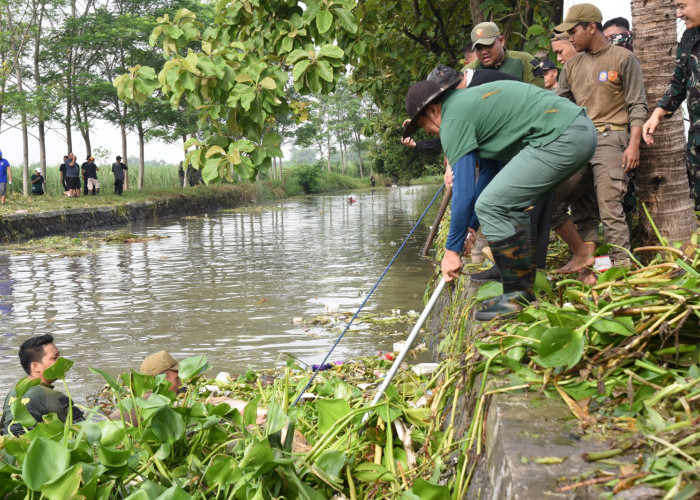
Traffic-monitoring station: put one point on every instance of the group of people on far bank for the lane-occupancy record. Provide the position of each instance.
(71, 171)
(553, 155)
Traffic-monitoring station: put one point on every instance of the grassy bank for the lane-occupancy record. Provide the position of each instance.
(295, 183)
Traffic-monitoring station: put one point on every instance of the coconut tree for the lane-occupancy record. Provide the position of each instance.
(661, 176)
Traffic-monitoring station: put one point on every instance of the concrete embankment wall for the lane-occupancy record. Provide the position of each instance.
(17, 227)
(532, 447)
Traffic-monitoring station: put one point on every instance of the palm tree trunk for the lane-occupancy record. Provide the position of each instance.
(661, 177)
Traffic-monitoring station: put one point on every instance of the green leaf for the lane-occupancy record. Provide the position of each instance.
(174, 493)
(329, 412)
(112, 457)
(250, 412)
(331, 462)
(428, 491)
(58, 369)
(296, 55)
(299, 69)
(346, 19)
(331, 51)
(623, 325)
(324, 21)
(223, 470)
(324, 70)
(168, 425)
(112, 432)
(560, 346)
(45, 461)
(489, 290)
(113, 383)
(24, 384)
(65, 486)
(388, 412)
(268, 83)
(420, 417)
(370, 472)
(276, 418)
(193, 367)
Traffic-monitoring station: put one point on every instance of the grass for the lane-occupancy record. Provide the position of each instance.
(163, 183)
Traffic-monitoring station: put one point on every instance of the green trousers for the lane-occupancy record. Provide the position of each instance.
(532, 174)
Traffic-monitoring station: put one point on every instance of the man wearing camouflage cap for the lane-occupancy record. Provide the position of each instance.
(491, 53)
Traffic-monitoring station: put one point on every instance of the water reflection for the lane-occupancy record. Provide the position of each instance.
(225, 285)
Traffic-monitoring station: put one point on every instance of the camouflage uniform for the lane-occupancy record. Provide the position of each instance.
(685, 84)
(623, 40)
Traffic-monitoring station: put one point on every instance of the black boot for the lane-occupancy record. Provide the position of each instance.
(515, 261)
(490, 274)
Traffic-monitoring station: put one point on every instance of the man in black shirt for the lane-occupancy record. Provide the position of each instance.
(90, 175)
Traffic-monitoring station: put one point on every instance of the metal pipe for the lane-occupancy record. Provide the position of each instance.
(409, 342)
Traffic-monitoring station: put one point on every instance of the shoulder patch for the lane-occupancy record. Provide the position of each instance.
(603, 76)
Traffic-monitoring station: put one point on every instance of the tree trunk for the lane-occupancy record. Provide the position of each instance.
(39, 89)
(661, 176)
(142, 151)
(122, 128)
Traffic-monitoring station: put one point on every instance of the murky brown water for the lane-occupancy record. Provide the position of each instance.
(226, 285)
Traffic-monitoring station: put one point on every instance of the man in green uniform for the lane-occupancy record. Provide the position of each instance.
(606, 80)
(685, 84)
(545, 140)
(491, 53)
(36, 355)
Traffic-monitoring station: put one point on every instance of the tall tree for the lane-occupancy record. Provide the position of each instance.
(661, 176)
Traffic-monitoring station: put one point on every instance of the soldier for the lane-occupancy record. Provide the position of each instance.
(36, 354)
(685, 83)
(550, 73)
(607, 80)
(617, 30)
(489, 46)
(545, 139)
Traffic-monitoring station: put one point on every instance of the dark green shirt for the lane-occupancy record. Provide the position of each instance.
(501, 118)
(685, 81)
(37, 187)
(520, 65)
(40, 400)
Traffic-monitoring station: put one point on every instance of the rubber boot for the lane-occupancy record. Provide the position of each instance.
(490, 274)
(515, 260)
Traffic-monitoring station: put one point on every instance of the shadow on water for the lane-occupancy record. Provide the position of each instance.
(226, 285)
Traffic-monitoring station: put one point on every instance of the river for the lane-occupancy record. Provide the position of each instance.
(225, 284)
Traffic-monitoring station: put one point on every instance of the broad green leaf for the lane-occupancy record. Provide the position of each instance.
(370, 472)
(623, 325)
(489, 290)
(223, 470)
(276, 418)
(299, 69)
(24, 384)
(428, 491)
(58, 369)
(388, 412)
(329, 412)
(560, 346)
(324, 70)
(420, 417)
(65, 486)
(268, 83)
(331, 462)
(331, 51)
(346, 19)
(257, 453)
(168, 425)
(113, 383)
(112, 457)
(112, 432)
(324, 21)
(193, 367)
(213, 150)
(250, 412)
(174, 493)
(45, 461)
(296, 55)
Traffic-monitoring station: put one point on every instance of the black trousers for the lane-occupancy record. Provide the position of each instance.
(118, 186)
(541, 216)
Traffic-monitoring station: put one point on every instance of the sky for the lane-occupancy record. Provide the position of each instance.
(609, 8)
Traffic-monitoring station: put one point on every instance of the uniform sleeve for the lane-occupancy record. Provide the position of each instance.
(635, 98)
(676, 92)
(463, 197)
(563, 88)
(431, 146)
(532, 73)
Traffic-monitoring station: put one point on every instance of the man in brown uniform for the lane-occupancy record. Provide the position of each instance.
(607, 81)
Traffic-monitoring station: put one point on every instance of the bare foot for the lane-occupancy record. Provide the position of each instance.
(587, 276)
(580, 260)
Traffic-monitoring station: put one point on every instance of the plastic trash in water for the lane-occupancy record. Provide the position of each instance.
(327, 366)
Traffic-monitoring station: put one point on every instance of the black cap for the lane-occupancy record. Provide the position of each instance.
(547, 64)
(119, 157)
(420, 96)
